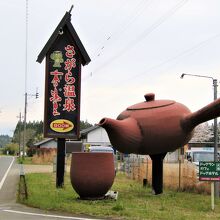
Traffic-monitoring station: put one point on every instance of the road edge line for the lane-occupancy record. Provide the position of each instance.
(47, 215)
(6, 173)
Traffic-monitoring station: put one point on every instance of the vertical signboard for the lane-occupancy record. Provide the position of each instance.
(210, 171)
(64, 54)
(62, 92)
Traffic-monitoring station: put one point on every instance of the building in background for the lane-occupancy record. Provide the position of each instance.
(93, 136)
(46, 143)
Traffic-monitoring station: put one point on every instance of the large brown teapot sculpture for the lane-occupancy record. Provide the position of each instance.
(156, 126)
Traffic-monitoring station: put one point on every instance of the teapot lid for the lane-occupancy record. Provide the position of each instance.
(151, 103)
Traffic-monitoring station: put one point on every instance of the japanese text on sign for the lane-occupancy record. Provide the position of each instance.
(69, 88)
(209, 171)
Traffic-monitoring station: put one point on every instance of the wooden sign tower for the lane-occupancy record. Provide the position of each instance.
(64, 54)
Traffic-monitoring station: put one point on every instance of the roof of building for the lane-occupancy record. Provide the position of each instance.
(87, 130)
(43, 142)
(83, 133)
(66, 21)
(202, 144)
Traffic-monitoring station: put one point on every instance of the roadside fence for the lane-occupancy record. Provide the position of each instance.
(180, 175)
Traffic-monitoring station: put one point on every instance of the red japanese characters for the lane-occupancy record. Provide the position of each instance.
(65, 55)
(68, 88)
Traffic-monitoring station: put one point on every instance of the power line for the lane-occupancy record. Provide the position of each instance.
(118, 9)
(124, 26)
(121, 6)
(143, 35)
(25, 102)
(139, 9)
(181, 54)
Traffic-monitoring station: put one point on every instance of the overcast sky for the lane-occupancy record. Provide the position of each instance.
(136, 47)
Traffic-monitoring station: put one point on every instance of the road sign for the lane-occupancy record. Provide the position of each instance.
(209, 171)
(64, 54)
(61, 125)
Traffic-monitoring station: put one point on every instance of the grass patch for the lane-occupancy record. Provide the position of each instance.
(134, 201)
(43, 159)
(24, 160)
(32, 161)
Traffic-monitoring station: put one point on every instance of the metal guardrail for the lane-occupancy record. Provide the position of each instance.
(22, 184)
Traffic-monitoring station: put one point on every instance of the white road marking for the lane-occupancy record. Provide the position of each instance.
(3, 208)
(6, 173)
(45, 215)
(35, 214)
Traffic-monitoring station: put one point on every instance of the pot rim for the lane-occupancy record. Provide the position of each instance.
(92, 153)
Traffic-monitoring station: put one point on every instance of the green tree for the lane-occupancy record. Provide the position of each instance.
(11, 148)
(84, 125)
(34, 133)
(4, 139)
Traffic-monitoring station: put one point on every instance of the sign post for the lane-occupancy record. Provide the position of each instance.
(60, 162)
(212, 195)
(210, 171)
(64, 54)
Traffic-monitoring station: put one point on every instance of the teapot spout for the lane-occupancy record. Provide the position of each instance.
(125, 135)
(206, 113)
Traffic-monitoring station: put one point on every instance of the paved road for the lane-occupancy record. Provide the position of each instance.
(9, 209)
(5, 164)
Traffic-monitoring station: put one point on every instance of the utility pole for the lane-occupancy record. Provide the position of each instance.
(19, 133)
(25, 121)
(25, 102)
(215, 85)
(36, 95)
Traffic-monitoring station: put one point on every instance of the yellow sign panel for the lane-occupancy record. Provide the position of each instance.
(61, 125)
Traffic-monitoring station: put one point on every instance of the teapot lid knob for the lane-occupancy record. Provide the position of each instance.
(149, 97)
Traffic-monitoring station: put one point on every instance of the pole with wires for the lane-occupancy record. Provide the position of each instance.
(25, 86)
(215, 85)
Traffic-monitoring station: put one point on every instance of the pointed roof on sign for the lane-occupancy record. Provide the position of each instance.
(66, 20)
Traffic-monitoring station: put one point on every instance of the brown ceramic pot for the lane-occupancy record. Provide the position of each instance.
(92, 174)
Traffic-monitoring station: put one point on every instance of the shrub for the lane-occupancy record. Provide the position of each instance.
(11, 148)
(31, 151)
(44, 155)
